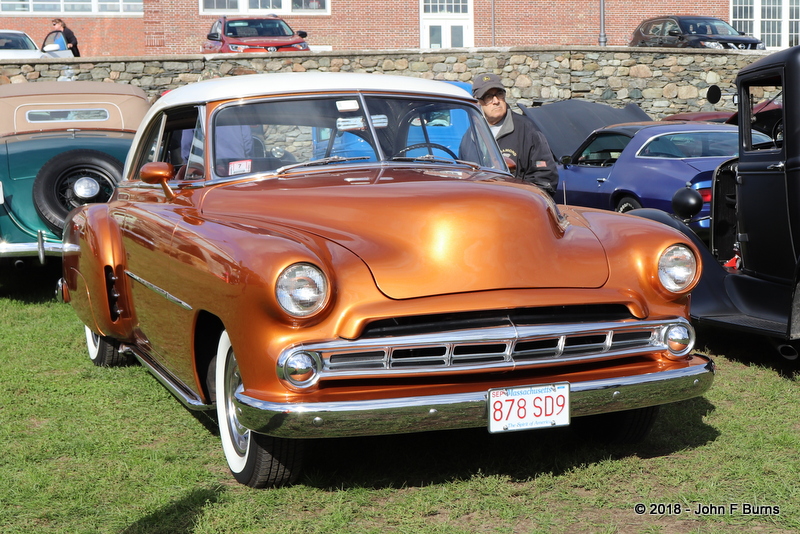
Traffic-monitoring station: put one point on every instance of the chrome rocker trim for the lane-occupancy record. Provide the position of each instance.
(465, 410)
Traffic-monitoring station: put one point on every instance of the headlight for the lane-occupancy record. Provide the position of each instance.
(238, 48)
(711, 44)
(761, 46)
(302, 290)
(677, 268)
(301, 46)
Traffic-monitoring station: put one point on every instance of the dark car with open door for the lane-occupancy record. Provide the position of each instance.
(751, 270)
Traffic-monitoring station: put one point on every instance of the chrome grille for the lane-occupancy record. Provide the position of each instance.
(489, 349)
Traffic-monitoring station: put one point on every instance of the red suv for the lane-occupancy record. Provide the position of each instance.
(253, 34)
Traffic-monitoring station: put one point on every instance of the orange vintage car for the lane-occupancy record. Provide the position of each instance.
(316, 255)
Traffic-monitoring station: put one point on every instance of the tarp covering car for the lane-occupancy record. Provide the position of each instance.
(567, 123)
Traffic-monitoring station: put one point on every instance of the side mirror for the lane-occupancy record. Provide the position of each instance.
(566, 160)
(302, 34)
(512, 165)
(714, 94)
(52, 47)
(158, 172)
(673, 33)
(687, 202)
(213, 37)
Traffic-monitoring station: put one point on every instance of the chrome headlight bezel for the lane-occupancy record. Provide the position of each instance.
(302, 290)
(679, 338)
(677, 269)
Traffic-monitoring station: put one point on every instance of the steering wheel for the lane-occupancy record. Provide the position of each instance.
(429, 146)
(777, 130)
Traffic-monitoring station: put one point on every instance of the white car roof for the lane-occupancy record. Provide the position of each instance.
(301, 82)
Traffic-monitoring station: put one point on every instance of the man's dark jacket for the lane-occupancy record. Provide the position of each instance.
(519, 140)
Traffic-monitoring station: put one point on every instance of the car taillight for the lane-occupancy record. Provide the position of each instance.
(705, 193)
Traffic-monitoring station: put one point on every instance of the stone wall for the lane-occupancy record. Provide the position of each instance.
(661, 81)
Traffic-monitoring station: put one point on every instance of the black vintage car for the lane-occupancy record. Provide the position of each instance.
(751, 269)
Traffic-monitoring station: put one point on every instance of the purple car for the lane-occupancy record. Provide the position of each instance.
(634, 164)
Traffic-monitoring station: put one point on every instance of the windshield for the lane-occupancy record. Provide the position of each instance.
(257, 28)
(707, 27)
(281, 134)
(16, 41)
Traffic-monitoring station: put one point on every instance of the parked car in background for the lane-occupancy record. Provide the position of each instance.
(703, 116)
(692, 32)
(410, 284)
(62, 144)
(253, 34)
(18, 45)
(635, 164)
(751, 271)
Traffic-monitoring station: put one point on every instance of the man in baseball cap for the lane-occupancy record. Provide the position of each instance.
(516, 135)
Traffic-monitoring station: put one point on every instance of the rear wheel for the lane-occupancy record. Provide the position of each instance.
(254, 459)
(626, 204)
(103, 351)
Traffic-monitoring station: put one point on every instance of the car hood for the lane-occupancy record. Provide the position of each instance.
(21, 54)
(424, 233)
(734, 39)
(567, 123)
(267, 41)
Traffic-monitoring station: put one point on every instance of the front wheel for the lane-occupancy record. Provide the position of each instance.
(622, 428)
(627, 204)
(254, 459)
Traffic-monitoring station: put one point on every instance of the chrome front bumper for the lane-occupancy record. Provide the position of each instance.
(464, 410)
(41, 249)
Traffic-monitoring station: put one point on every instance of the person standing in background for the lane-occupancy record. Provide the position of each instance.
(69, 36)
(516, 135)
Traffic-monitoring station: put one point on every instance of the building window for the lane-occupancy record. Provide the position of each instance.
(742, 16)
(262, 7)
(775, 22)
(446, 6)
(71, 6)
(266, 4)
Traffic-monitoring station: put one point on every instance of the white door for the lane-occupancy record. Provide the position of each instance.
(446, 24)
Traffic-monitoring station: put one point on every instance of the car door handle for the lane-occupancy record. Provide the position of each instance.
(780, 166)
(602, 179)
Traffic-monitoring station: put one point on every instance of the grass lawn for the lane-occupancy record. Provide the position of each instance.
(85, 449)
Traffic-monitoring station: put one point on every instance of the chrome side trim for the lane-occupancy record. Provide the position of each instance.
(464, 410)
(167, 295)
(173, 385)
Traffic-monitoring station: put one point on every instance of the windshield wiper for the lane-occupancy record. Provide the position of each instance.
(436, 159)
(316, 162)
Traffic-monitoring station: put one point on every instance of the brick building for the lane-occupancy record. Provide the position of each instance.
(149, 27)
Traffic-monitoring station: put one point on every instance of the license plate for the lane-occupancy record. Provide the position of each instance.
(528, 407)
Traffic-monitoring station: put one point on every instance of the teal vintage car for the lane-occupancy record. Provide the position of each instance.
(62, 145)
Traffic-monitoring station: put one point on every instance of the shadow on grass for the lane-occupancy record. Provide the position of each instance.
(747, 349)
(31, 284)
(179, 517)
(439, 457)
